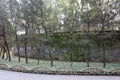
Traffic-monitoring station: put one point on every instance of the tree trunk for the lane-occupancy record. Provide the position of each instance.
(26, 58)
(25, 43)
(104, 49)
(39, 53)
(88, 56)
(71, 55)
(17, 44)
(5, 42)
(8, 52)
(88, 46)
(51, 59)
(104, 56)
(18, 53)
(3, 55)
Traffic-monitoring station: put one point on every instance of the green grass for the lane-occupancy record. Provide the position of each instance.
(58, 64)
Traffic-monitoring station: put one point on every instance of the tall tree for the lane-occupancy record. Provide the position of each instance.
(5, 27)
(14, 12)
(106, 12)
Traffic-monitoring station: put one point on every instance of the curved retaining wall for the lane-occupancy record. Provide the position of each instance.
(61, 71)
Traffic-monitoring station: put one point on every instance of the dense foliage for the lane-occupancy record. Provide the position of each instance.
(77, 26)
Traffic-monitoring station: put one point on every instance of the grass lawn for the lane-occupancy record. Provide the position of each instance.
(58, 64)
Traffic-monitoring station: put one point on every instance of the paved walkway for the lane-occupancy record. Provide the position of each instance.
(8, 75)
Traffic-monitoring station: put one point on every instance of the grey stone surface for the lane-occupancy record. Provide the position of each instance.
(8, 75)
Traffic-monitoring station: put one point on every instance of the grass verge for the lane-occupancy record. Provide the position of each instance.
(61, 67)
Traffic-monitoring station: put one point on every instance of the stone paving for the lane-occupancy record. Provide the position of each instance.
(9, 75)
